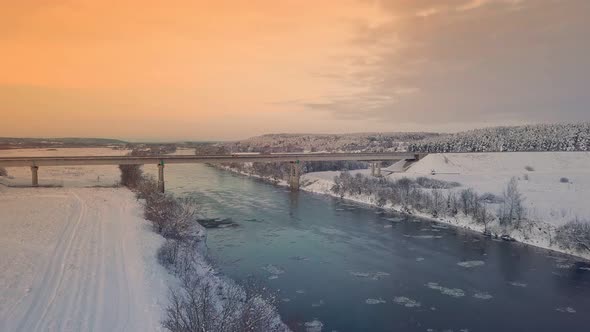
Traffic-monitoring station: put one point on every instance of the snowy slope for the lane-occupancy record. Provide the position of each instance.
(78, 259)
(547, 199)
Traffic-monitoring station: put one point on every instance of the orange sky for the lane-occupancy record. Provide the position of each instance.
(221, 69)
(168, 69)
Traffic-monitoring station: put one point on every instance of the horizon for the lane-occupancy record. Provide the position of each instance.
(230, 70)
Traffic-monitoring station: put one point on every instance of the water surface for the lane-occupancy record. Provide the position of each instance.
(355, 268)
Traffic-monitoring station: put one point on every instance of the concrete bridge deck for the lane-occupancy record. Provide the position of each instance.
(293, 158)
(214, 159)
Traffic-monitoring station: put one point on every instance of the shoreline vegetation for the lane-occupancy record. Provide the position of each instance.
(201, 300)
(495, 216)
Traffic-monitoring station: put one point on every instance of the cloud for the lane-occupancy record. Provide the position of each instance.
(471, 61)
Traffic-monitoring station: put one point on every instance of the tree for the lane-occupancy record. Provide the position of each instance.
(512, 210)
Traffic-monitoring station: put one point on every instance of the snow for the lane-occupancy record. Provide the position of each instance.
(547, 200)
(76, 259)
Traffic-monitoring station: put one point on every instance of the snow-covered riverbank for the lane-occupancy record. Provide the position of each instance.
(549, 200)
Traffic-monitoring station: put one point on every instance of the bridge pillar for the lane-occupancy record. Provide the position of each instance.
(294, 176)
(34, 176)
(161, 187)
(372, 169)
(378, 172)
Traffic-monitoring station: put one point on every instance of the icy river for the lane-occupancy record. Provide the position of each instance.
(352, 268)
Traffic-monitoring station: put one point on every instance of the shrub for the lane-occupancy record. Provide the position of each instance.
(529, 168)
(574, 235)
(174, 218)
(200, 306)
(3, 171)
(430, 183)
(131, 175)
(491, 198)
(526, 177)
(564, 180)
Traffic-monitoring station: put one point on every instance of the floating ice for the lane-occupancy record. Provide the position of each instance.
(419, 259)
(424, 236)
(517, 284)
(286, 300)
(563, 266)
(299, 258)
(406, 301)
(584, 268)
(569, 310)
(318, 304)
(469, 264)
(274, 276)
(314, 326)
(439, 226)
(375, 301)
(370, 275)
(273, 269)
(387, 226)
(394, 219)
(300, 291)
(482, 296)
(454, 292)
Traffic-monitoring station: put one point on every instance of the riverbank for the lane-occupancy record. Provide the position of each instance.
(540, 184)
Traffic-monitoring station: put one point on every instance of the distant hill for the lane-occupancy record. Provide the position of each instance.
(20, 143)
(367, 142)
(541, 137)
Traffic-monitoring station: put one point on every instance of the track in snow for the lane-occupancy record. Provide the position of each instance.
(92, 275)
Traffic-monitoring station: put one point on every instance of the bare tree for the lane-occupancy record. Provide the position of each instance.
(3, 171)
(512, 211)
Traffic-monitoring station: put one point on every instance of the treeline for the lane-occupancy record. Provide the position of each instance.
(201, 301)
(427, 195)
(281, 170)
(443, 199)
(542, 137)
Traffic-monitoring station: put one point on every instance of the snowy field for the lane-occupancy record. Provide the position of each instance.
(78, 259)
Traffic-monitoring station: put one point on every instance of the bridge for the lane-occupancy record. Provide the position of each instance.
(293, 158)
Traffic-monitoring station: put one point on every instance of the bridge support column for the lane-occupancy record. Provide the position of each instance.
(34, 176)
(378, 172)
(161, 187)
(294, 176)
(372, 169)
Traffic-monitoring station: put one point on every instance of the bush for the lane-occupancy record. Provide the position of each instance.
(174, 218)
(3, 171)
(529, 168)
(431, 183)
(564, 180)
(574, 235)
(131, 175)
(200, 306)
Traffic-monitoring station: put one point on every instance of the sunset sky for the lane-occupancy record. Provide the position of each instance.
(229, 69)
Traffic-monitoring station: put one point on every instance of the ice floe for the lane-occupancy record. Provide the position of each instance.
(314, 326)
(273, 269)
(468, 264)
(517, 284)
(424, 236)
(370, 275)
(406, 301)
(482, 296)
(375, 301)
(419, 259)
(454, 292)
(318, 304)
(569, 310)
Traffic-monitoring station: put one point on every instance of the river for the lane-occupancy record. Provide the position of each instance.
(355, 268)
